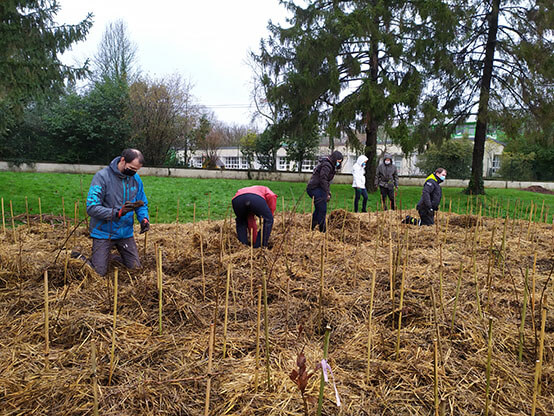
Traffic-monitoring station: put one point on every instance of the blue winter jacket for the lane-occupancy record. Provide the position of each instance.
(108, 192)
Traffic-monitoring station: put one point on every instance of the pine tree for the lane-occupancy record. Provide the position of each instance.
(30, 41)
(360, 65)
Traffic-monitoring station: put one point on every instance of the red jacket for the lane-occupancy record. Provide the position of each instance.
(265, 193)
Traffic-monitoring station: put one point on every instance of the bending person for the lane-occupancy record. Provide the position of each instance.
(249, 203)
(431, 196)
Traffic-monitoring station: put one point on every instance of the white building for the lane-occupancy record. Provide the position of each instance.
(232, 158)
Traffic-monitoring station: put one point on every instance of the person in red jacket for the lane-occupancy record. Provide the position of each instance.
(249, 203)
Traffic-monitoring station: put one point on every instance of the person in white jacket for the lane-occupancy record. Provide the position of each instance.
(358, 182)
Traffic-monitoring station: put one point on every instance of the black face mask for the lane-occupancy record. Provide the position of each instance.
(129, 172)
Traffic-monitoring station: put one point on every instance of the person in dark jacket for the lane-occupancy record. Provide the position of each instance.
(249, 203)
(387, 180)
(431, 196)
(115, 195)
(319, 187)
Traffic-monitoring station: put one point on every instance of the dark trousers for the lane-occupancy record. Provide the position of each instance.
(427, 216)
(360, 192)
(320, 208)
(387, 192)
(101, 254)
(247, 204)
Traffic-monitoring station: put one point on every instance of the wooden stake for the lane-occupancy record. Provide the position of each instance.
(13, 223)
(94, 378)
(209, 372)
(112, 352)
(488, 370)
(203, 270)
(251, 265)
(322, 379)
(369, 325)
(209, 205)
(436, 377)
(46, 322)
(266, 330)
(145, 243)
(523, 315)
(391, 277)
(457, 294)
(538, 364)
(3, 218)
(177, 218)
(160, 291)
(27, 214)
(225, 319)
(321, 282)
(401, 305)
(258, 326)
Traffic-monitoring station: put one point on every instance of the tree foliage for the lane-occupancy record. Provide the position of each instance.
(357, 65)
(453, 155)
(30, 41)
(506, 62)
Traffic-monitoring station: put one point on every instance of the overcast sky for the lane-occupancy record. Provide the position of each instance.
(206, 41)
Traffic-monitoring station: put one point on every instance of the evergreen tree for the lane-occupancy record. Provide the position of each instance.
(30, 41)
(359, 65)
(507, 68)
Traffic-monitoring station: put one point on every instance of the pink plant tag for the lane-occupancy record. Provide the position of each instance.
(325, 366)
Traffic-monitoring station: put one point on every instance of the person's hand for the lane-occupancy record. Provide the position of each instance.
(328, 196)
(126, 208)
(144, 226)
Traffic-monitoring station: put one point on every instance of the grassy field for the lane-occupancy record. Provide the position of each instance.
(172, 197)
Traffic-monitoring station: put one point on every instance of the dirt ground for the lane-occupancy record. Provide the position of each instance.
(440, 284)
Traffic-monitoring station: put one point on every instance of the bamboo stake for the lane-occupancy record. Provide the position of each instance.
(489, 275)
(357, 249)
(437, 330)
(538, 364)
(533, 283)
(27, 214)
(13, 223)
(46, 322)
(284, 222)
(369, 325)
(474, 260)
(3, 218)
(457, 294)
(94, 378)
(531, 213)
(322, 379)
(258, 325)
(401, 305)
(209, 372)
(321, 283)
(342, 229)
(435, 377)
(145, 243)
(225, 319)
(194, 215)
(65, 267)
(160, 291)
(202, 265)
(177, 217)
(209, 205)
(488, 370)
(266, 330)
(112, 352)
(523, 315)
(441, 293)
(391, 277)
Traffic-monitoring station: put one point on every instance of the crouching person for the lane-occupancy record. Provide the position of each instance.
(115, 195)
(431, 196)
(249, 203)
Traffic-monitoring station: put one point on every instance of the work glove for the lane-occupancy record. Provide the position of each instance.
(144, 226)
(126, 208)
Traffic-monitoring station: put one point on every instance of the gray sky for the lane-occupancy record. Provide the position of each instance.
(206, 41)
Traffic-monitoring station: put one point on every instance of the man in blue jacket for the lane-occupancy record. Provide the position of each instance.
(431, 196)
(115, 195)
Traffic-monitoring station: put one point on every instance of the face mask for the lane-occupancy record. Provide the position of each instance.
(442, 178)
(129, 172)
(387, 162)
(338, 165)
(363, 165)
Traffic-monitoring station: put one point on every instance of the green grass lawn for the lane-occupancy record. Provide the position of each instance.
(213, 196)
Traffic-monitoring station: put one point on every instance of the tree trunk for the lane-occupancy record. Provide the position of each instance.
(371, 128)
(476, 186)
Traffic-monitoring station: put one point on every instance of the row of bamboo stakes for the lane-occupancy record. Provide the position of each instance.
(263, 290)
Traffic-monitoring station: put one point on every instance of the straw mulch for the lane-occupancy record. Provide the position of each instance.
(167, 374)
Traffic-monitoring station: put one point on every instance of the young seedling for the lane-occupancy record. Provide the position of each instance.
(301, 376)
